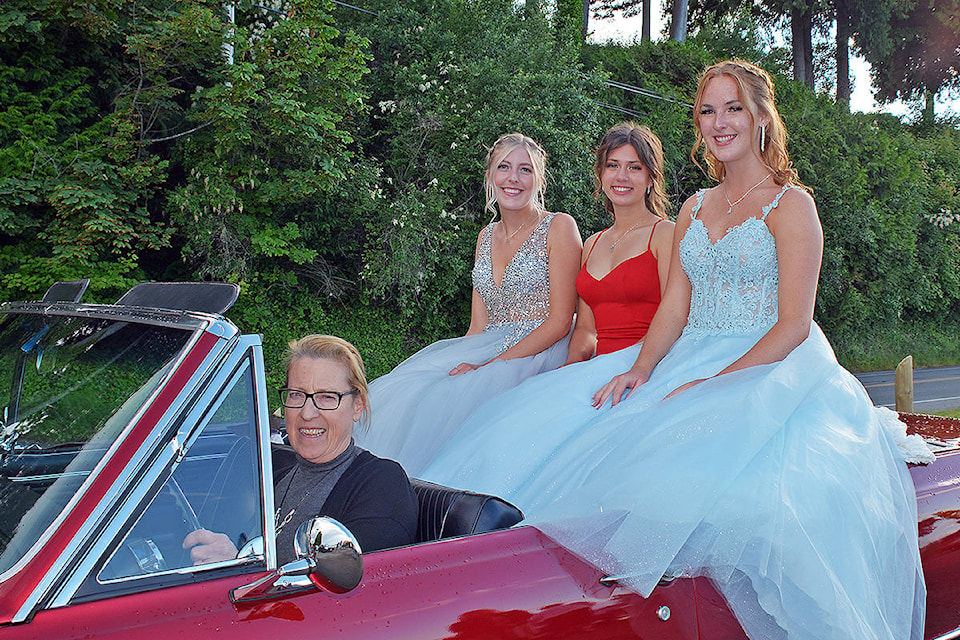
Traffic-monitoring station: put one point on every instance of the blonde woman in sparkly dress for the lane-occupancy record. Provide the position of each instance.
(524, 298)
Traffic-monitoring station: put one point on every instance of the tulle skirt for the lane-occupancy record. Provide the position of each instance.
(782, 483)
(417, 407)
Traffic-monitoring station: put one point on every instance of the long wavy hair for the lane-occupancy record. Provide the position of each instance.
(756, 93)
(650, 151)
(538, 159)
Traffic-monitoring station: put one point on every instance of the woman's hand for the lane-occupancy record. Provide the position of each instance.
(464, 367)
(207, 546)
(617, 388)
(684, 387)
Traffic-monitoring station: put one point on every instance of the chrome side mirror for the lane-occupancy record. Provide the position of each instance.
(333, 552)
(330, 558)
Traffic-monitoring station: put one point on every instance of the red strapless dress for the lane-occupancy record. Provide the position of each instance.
(623, 302)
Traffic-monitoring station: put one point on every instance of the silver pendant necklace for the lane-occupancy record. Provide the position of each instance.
(520, 228)
(622, 235)
(740, 199)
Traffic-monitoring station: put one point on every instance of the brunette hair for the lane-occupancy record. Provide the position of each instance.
(756, 93)
(324, 347)
(538, 159)
(650, 151)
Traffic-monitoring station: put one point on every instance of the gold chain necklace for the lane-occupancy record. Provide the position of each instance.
(510, 237)
(622, 235)
(740, 199)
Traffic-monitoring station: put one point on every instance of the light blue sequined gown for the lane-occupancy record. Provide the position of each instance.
(418, 405)
(780, 482)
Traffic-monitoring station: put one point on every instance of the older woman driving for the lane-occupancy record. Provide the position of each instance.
(324, 397)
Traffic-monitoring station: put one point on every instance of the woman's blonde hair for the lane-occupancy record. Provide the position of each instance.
(538, 159)
(324, 347)
(756, 93)
(650, 151)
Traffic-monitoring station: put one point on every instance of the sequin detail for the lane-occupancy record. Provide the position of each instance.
(734, 281)
(522, 301)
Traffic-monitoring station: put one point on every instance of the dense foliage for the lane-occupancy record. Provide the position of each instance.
(334, 166)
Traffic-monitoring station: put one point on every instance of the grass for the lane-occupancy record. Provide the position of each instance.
(931, 344)
(953, 413)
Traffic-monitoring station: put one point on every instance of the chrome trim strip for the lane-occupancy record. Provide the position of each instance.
(950, 635)
(140, 315)
(47, 476)
(62, 576)
(266, 461)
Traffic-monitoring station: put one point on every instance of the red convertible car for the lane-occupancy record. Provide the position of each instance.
(127, 426)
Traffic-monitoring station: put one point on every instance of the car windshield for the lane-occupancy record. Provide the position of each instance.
(68, 387)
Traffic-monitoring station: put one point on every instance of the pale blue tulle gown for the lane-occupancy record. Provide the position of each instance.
(780, 482)
(416, 407)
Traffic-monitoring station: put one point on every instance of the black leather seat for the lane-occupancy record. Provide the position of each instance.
(444, 512)
(447, 513)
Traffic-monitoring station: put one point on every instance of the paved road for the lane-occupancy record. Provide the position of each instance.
(934, 389)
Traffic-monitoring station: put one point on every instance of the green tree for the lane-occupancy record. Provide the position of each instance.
(271, 144)
(80, 191)
(923, 59)
(132, 150)
(627, 8)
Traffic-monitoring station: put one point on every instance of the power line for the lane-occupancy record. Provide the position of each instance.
(350, 6)
(621, 109)
(646, 92)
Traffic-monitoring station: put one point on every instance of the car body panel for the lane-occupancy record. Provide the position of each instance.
(516, 583)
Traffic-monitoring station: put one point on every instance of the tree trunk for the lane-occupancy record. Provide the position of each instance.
(843, 54)
(586, 19)
(801, 27)
(927, 117)
(645, 34)
(532, 8)
(808, 45)
(678, 21)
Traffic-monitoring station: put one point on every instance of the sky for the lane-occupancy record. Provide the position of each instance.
(861, 99)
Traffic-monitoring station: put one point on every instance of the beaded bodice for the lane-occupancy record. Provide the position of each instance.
(734, 281)
(521, 302)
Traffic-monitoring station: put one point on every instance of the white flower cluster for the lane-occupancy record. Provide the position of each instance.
(944, 218)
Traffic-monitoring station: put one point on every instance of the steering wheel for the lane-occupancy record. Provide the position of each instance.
(141, 555)
(189, 515)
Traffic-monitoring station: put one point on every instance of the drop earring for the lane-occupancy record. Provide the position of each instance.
(763, 136)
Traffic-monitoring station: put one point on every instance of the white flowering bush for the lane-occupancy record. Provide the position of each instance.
(442, 90)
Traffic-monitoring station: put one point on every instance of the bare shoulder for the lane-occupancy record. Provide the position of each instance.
(592, 239)
(796, 210)
(564, 221)
(564, 229)
(686, 212)
(664, 228)
(663, 233)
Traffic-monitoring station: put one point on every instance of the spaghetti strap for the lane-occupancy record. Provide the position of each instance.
(776, 201)
(696, 207)
(650, 239)
(595, 243)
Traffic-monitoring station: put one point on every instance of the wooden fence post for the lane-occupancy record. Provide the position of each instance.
(903, 385)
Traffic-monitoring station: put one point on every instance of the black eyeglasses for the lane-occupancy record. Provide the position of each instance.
(323, 400)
